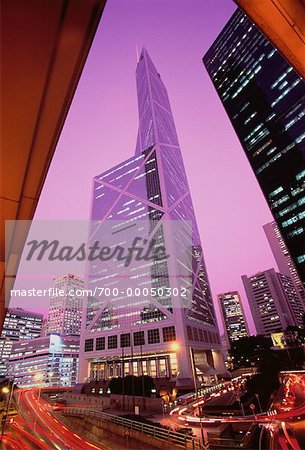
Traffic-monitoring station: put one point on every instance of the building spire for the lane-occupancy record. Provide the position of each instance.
(137, 53)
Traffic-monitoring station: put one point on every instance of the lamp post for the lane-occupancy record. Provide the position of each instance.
(50, 375)
(175, 346)
(123, 377)
(142, 374)
(259, 402)
(7, 390)
(132, 374)
(38, 377)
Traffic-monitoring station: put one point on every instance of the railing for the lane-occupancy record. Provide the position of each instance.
(233, 443)
(179, 439)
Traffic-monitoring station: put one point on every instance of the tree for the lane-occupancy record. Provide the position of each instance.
(116, 385)
(132, 385)
(249, 350)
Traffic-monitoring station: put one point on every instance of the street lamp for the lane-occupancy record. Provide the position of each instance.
(142, 374)
(50, 375)
(6, 390)
(175, 346)
(259, 402)
(37, 377)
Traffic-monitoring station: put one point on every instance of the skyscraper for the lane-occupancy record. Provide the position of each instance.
(46, 361)
(65, 311)
(158, 334)
(273, 300)
(18, 324)
(282, 256)
(233, 317)
(265, 100)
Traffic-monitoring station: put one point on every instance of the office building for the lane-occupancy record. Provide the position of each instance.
(233, 317)
(158, 335)
(46, 361)
(273, 300)
(18, 324)
(66, 305)
(282, 256)
(264, 98)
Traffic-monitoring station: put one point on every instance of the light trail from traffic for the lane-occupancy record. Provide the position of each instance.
(37, 428)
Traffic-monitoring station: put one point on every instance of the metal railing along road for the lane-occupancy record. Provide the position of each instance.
(216, 442)
(179, 439)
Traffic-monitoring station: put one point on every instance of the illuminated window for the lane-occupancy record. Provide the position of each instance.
(162, 368)
(153, 368)
(173, 364)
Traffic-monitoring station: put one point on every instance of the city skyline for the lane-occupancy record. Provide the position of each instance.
(100, 95)
(154, 192)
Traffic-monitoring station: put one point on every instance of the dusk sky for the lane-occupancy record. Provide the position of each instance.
(101, 130)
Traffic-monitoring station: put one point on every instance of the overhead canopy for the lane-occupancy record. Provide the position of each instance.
(206, 370)
(44, 46)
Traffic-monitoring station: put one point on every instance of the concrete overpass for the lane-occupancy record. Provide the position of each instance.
(44, 45)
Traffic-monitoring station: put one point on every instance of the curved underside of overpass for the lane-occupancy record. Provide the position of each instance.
(45, 44)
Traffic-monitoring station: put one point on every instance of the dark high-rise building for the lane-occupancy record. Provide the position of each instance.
(265, 100)
(234, 320)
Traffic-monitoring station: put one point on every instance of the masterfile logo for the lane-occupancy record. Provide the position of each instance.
(140, 249)
(144, 259)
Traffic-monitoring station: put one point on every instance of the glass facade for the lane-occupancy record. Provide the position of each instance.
(18, 324)
(161, 366)
(265, 100)
(145, 193)
(150, 186)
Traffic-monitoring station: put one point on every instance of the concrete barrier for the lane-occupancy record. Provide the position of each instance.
(114, 401)
(95, 423)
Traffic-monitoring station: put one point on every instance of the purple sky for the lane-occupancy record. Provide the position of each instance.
(101, 128)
